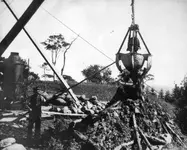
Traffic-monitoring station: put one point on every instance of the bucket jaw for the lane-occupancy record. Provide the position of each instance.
(138, 65)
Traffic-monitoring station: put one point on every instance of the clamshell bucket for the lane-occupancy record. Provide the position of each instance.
(134, 61)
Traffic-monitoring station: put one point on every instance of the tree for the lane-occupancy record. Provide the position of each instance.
(45, 68)
(55, 44)
(69, 79)
(64, 59)
(161, 94)
(106, 75)
(168, 97)
(93, 74)
(184, 91)
(152, 90)
(177, 94)
(180, 96)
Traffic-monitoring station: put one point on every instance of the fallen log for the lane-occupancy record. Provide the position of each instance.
(11, 114)
(164, 127)
(175, 134)
(145, 138)
(64, 114)
(155, 141)
(136, 132)
(124, 145)
(115, 108)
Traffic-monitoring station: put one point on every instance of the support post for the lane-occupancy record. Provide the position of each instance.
(33, 7)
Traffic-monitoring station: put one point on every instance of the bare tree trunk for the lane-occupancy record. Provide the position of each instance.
(64, 59)
(52, 58)
(64, 62)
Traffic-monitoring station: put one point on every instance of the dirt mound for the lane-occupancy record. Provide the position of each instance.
(128, 125)
(131, 124)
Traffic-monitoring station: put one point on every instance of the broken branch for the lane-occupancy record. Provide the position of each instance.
(136, 131)
(124, 145)
(144, 137)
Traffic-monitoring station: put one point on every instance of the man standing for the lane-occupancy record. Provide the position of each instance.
(35, 114)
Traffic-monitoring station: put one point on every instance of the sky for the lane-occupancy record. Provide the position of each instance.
(104, 24)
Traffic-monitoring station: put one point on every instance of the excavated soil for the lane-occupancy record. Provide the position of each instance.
(104, 131)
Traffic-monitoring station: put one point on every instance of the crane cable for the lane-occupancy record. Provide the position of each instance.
(133, 13)
(76, 34)
(6, 7)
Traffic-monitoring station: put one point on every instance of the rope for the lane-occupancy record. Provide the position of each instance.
(77, 34)
(6, 7)
(133, 13)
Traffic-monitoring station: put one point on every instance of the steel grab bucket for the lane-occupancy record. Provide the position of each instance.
(133, 61)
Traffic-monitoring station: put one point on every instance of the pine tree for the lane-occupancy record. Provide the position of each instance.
(168, 97)
(161, 94)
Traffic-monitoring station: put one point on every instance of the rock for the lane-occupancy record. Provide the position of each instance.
(61, 101)
(66, 110)
(89, 105)
(115, 114)
(94, 98)
(17, 126)
(83, 98)
(56, 101)
(167, 137)
(58, 109)
(91, 112)
(7, 142)
(137, 111)
(15, 147)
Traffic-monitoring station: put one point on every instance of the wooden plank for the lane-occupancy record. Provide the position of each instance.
(64, 114)
(7, 119)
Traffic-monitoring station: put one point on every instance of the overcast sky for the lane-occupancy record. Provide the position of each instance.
(104, 23)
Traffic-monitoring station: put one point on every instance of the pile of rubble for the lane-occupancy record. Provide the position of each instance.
(127, 125)
(65, 104)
